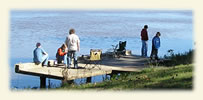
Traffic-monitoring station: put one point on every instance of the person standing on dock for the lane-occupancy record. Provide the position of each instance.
(40, 56)
(144, 38)
(73, 44)
(155, 46)
(61, 54)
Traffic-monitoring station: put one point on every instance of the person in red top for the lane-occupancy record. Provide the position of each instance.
(144, 38)
(61, 54)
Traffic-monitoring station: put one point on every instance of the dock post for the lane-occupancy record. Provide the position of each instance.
(70, 81)
(113, 74)
(67, 82)
(42, 82)
(89, 79)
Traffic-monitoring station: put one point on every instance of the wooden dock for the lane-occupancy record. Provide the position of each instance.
(125, 63)
(60, 72)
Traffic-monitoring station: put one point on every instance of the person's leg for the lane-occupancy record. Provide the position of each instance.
(75, 59)
(65, 60)
(69, 58)
(59, 59)
(153, 52)
(151, 56)
(145, 50)
(142, 49)
(156, 54)
(45, 59)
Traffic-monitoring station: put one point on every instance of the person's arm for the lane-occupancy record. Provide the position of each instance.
(159, 42)
(147, 35)
(43, 51)
(141, 33)
(66, 42)
(34, 56)
(78, 45)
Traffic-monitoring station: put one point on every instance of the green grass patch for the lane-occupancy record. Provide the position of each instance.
(177, 77)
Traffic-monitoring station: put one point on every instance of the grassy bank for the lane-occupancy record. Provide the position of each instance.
(178, 77)
(177, 73)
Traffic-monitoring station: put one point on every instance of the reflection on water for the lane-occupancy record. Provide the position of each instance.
(96, 29)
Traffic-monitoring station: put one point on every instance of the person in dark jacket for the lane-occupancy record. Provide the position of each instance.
(61, 54)
(144, 38)
(155, 46)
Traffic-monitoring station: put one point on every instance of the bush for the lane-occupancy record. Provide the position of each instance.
(178, 59)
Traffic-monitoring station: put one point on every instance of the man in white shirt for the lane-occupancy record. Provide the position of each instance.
(73, 44)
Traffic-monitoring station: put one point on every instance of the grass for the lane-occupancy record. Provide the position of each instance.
(178, 76)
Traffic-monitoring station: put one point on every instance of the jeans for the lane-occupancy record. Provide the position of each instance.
(70, 55)
(45, 60)
(62, 58)
(144, 48)
(154, 53)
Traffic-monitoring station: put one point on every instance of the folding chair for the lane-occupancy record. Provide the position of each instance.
(122, 48)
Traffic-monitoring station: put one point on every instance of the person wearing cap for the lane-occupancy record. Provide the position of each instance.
(144, 38)
(155, 46)
(40, 56)
(61, 54)
(73, 43)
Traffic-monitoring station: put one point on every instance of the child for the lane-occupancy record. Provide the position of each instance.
(61, 54)
(155, 46)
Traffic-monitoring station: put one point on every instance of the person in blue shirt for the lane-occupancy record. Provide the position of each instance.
(155, 46)
(40, 56)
